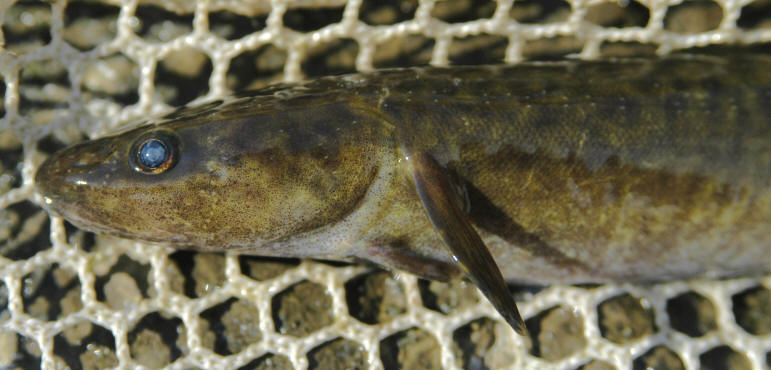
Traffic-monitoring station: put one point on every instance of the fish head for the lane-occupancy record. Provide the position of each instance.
(236, 180)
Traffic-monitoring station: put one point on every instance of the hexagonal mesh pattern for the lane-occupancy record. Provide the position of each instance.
(79, 69)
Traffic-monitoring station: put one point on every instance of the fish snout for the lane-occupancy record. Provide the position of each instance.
(64, 179)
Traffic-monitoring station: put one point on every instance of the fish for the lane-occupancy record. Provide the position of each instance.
(635, 170)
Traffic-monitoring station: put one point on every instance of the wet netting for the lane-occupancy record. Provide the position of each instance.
(72, 70)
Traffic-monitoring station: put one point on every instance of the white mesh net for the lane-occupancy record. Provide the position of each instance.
(69, 298)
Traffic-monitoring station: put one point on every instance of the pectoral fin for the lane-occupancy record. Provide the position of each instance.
(444, 208)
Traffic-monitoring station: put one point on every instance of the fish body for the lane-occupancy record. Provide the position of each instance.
(570, 172)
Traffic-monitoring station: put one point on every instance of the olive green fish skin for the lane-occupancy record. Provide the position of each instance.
(634, 170)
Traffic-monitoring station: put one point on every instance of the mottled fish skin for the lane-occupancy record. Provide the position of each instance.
(627, 170)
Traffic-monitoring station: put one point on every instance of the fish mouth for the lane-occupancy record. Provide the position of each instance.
(49, 182)
(65, 179)
(60, 197)
(67, 194)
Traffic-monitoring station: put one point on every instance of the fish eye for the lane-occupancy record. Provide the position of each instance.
(153, 154)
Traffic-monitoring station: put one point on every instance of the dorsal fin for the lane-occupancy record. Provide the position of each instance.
(445, 209)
